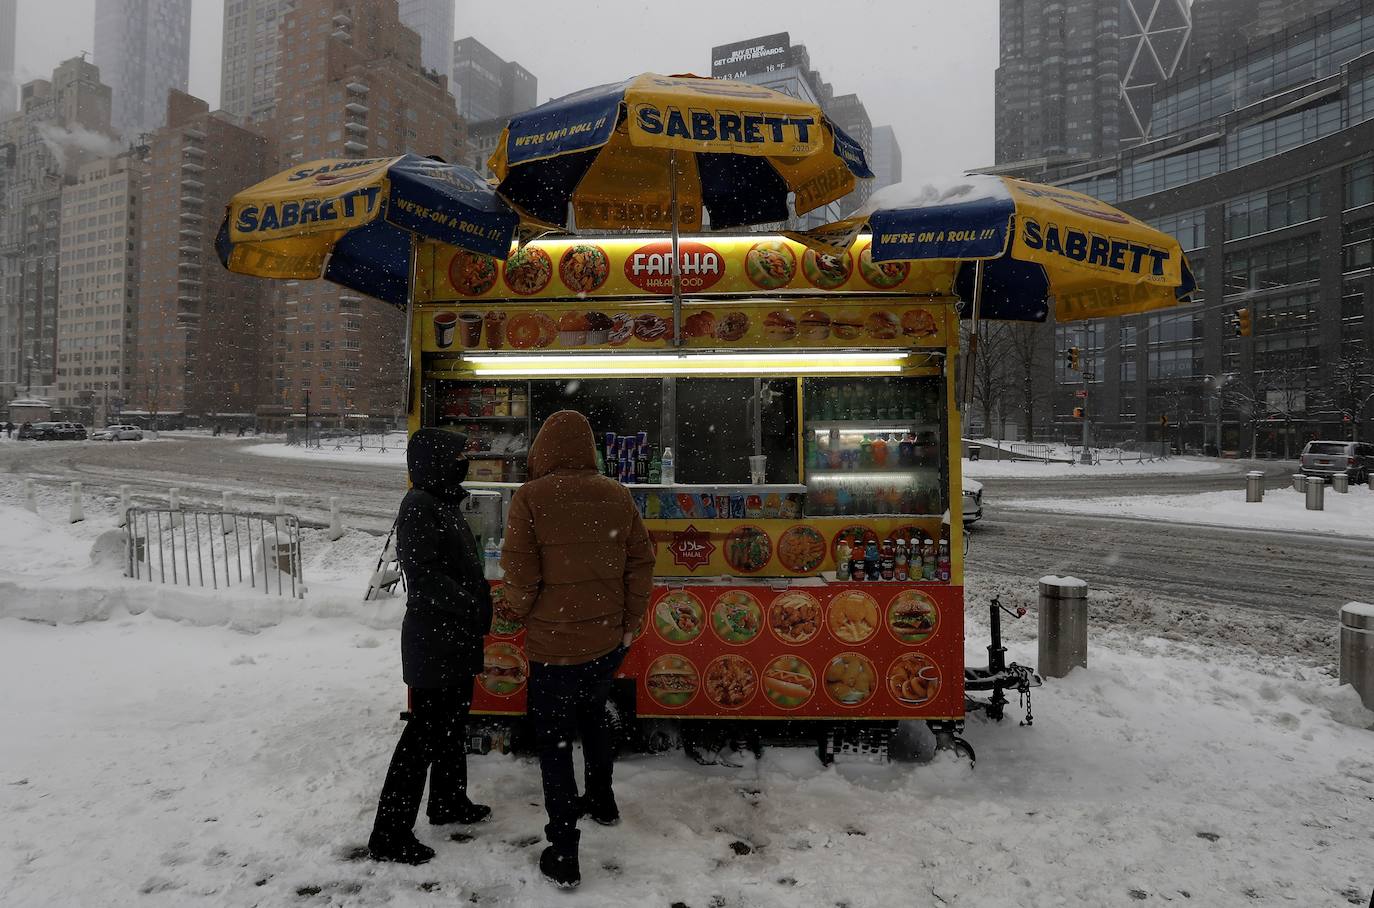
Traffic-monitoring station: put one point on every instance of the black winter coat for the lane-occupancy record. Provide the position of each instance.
(448, 609)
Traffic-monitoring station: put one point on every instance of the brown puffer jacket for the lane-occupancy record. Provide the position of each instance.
(579, 563)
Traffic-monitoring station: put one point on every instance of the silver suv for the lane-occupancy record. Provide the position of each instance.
(1324, 458)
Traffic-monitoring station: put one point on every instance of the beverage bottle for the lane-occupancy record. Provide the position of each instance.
(600, 463)
(842, 559)
(655, 467)
(899, 561)
(929, 564)
(865, 452)
(873, 560)
(906, 451)
(857, 569)
(642, 463)
(942, 570)
(889, 562)
(863, 403)
(879, 451)
(844, 499)
(491, 560)
(666, 465)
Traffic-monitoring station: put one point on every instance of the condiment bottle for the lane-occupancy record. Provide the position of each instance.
(899, 561)
(942, 571)
(929, 565)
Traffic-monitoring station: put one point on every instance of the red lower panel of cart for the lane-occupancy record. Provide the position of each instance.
(834, 651)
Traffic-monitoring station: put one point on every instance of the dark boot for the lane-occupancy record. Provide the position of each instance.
(601, 808)
(560, 867)
(403, 848)
(464, 812)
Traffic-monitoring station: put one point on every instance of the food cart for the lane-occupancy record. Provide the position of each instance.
(806, 573)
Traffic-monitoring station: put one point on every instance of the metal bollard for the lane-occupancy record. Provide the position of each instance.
(1063, 625)
(1357, 649)
(76, 513)
(1316, 493)
(30, 496)
(1340, 482)
(124, 505)
(1254, 486)
(1299, 482)
(174, 505)
(226, 520)
(335, 521)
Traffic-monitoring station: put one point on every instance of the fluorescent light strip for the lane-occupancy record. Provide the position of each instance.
(679, 364)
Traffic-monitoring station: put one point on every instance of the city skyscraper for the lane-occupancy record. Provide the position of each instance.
(201, 328)
(360, 90)
(63, 123)
(98, 269)
(9, 91)
(488, 87)
(1076, 80)
(849, 113)
(432, 20)
(886, 158)
(143, 49)
(248, 62)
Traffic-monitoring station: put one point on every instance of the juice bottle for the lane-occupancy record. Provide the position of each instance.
(899, 560)
(879, 450)
(929, 555)
(943, 570)
(865, 453)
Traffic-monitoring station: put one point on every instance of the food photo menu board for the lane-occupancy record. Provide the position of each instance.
(861, 650)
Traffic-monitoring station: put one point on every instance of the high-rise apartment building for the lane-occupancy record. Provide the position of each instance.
(201, 329)
(488, 87)
(1077, 79)
(143, 49)
(97, 296)
(62, 123)
(9, 91)
(849, 113)
(432, 20)
(248, 61)
(886, 158)
(357, 89)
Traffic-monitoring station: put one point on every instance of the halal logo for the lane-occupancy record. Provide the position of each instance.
(691, 548)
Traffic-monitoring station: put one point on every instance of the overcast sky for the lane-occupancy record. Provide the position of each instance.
(924, 67)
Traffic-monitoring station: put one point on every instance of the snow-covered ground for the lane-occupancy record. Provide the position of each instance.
(233, 757)
(1350, 514)
(1127, 466)
(376, 449)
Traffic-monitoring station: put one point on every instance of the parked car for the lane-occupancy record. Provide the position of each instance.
(118, 433)
(973, 501)
(70, 431)
(40, 431)
(1325, 458)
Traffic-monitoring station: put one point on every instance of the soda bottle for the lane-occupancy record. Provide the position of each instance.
(856, 560)
(865, 453)
(889, 563)
(655, 467)
(873, 560)
(942, 570)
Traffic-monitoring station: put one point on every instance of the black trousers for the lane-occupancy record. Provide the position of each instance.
(433, 743)
(566, 701)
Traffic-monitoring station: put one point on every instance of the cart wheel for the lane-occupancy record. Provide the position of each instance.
(964, 749)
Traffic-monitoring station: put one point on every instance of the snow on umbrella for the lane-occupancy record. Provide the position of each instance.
(663, 152)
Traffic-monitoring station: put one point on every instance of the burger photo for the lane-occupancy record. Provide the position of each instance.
(912, 617)
(918, 323)
(847, 325)
(815, 325)
(881, 325)
(503, 669)
(779, 325)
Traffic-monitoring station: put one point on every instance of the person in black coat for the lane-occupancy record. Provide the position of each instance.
(448, 612)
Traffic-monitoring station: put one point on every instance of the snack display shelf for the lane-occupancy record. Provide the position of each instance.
(872, 425)
(839, 473)
(457, 419)
(776, 488)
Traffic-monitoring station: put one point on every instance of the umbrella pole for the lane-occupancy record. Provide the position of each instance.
(409, 324)
(971, 361)
(677, 272)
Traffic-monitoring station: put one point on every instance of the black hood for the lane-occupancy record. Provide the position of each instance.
(433, 458)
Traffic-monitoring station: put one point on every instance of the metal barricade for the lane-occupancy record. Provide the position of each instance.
(226, 548)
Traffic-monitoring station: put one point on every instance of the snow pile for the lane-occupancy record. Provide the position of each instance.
(1034, 469)
(1351, 514)
(388, 450)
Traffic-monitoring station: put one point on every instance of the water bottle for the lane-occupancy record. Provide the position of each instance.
(666, 466)
(492, 560)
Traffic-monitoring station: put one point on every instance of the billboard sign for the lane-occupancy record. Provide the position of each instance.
(765, 54)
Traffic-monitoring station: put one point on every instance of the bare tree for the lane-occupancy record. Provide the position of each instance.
(1278, 394)
(1350, 393)
(1025, 349)
(989, 373)
(1251, 404)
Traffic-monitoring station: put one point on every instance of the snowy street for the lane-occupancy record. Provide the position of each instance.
(1225, 768)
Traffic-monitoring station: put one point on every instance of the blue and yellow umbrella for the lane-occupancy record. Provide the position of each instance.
(663, 152)
(355, 221)
(1027, 249)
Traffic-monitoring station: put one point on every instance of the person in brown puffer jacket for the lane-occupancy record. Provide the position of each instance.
(579, 566)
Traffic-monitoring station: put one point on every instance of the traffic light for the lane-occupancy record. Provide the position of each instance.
(1073, 358)
(1077, 412)
(1242, 323)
